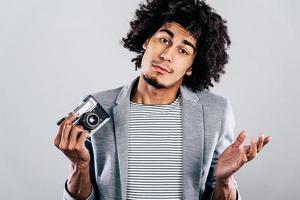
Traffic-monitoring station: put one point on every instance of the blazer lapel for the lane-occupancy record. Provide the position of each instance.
(193, 142)
(121, 121)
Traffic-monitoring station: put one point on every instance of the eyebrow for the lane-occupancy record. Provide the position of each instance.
(171, 34)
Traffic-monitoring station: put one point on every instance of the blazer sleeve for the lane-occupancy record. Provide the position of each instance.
(67, 196)
(225, 139)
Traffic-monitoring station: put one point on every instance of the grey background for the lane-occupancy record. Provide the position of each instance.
(54, 52)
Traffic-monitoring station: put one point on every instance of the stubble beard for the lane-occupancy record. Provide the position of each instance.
(153, 82)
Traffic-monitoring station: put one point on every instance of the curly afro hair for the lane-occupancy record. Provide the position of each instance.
(208, 28)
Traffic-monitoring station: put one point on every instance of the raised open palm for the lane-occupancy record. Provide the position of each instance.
(237, 154)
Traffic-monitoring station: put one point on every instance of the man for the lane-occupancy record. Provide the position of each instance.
(169, 138)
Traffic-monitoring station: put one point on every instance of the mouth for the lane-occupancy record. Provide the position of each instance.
(160, 69)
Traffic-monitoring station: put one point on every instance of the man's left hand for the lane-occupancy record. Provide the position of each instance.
(237, 154)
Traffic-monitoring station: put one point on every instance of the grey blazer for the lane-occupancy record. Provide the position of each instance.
(208, 126)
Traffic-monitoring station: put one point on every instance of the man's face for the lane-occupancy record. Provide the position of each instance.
(169, 55)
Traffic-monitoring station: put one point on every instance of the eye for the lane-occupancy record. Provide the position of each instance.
(183, 52)
(163, 40)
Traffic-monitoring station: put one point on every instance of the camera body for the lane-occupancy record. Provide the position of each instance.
(91, 115)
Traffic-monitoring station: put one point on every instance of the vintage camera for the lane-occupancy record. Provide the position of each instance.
(91, 115)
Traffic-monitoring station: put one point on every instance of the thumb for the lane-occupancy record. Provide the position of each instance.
(240, 139)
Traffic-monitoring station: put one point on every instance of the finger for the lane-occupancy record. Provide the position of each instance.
(247, 148)
(81, 139)
(260, 142)
(74, 134)
(267, 140)
(79, 126)
(248, 153)
(240, 139)
(58, 136)
(70, 118)
(64, 141)
(254, 150)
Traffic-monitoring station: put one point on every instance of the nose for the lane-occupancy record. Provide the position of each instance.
(166, 55)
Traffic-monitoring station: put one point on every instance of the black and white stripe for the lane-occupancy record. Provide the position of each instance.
(155, 151)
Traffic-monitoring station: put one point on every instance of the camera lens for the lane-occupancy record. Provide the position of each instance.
(91, 120)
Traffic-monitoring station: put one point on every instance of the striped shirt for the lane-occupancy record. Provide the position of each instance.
(155, 151)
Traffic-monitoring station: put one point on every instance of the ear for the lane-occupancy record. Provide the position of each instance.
(189, 71)
(145, 44)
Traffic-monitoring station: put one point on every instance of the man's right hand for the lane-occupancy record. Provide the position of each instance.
(70, 140)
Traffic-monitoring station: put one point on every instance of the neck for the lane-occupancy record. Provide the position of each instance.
(144, 93)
